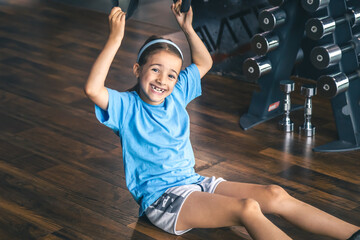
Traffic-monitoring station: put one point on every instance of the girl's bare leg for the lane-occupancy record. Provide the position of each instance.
(205, 210)
(274, 200)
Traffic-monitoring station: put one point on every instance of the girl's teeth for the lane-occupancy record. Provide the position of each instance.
(157, 89)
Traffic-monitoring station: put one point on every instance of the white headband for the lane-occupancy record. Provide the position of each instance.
(158, 41)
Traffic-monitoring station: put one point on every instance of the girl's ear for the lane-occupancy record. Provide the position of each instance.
(136, 70)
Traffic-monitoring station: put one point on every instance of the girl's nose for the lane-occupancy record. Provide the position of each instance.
(161, 79)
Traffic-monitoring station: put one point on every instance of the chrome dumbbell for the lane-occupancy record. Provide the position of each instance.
(314, 5)
(307, 128)
(317, 28)
(287, 86)
(325, 56)
(331, 85)
(263, 43)
(255, 67)
(271, 18)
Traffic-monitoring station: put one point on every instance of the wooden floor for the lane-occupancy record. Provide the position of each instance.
(61, 173)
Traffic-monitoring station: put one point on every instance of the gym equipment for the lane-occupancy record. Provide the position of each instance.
(266, 103)
(276, 2)
(331, 85)
(278, 45)
(325, 56)
(345, 100)
(263, 43)
(307, 128)
(271, 18)
(225, 26)
(115, 3)
(255, 67)
(314, 5)
(185, 5)
(287, 86)
(128, 6)
(344, 91)
(317, 28)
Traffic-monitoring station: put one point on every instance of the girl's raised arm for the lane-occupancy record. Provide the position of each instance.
(95, 84)
(199, 53)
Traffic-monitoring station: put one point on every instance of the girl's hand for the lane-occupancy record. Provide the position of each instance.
(117, 24)
(184, 19)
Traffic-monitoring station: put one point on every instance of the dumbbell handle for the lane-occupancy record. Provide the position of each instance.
(308, 110)
(354, 75)
(339, 21)
(353, 17)
(287, 86)
(324, 56)
(307, 128)
(316, 28)
(353, 44)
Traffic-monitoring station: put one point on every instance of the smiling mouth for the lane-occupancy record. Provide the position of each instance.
(156, 89)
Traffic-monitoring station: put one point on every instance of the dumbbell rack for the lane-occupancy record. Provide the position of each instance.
(267, 103)
(345, 106)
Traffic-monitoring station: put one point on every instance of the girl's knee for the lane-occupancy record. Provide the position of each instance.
(277, 191)
(248, 212)
(247, 208)
(276, 194)
(250, 205)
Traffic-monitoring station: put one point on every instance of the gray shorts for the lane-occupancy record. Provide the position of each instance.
(164, 212)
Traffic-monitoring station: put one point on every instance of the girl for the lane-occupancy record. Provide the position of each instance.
(153, 126)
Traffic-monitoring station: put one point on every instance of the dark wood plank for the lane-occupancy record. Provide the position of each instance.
(18, 227)
(45, 200)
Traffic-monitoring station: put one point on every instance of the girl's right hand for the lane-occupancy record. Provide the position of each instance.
(117, 24)
(184, 19)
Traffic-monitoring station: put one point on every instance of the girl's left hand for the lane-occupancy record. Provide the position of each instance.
(184, 19)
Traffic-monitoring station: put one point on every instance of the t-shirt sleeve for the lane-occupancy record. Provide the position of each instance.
(115, 114)
(189, 83)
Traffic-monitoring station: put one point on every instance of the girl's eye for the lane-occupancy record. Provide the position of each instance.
(155, 70)
(172, 76)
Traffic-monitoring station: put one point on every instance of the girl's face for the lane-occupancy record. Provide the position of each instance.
(158, 76)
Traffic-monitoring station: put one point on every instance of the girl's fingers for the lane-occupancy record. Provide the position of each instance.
(189, 14)
(178, 4)
(117, 15)
(123, 16)
(175, 7)
(113, 11)
(120, 17)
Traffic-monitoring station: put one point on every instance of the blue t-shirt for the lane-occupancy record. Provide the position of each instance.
(157, 152)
